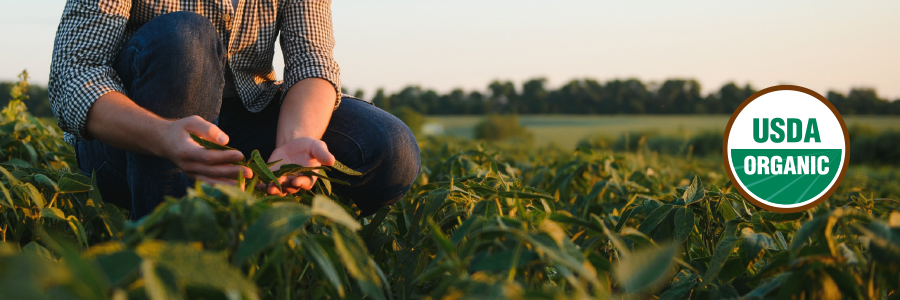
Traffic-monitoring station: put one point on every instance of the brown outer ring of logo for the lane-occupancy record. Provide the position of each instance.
(747, 195)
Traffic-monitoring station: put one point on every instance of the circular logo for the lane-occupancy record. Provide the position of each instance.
(785, 148)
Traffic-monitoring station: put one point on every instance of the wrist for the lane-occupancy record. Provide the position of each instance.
(158, 143)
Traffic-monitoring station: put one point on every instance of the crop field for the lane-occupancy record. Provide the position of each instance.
(567, 130)
(483, 221)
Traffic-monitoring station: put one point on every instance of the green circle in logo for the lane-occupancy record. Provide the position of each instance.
(785, 148)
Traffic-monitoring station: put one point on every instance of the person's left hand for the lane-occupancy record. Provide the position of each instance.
(304, 151)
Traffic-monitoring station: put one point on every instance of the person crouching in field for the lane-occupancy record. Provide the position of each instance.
(130, 79)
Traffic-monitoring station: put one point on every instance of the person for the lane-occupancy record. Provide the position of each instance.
(130, 79)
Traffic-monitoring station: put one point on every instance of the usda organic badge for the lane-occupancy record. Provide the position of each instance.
(785, 148)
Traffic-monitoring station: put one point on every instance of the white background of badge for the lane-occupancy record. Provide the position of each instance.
(786, 104)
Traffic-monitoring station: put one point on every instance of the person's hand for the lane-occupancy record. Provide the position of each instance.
(210, 166)
(304, 151)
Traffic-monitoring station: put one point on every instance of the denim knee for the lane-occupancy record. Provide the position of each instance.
(397, 154)
(377, 144)
(187, 33)
(174, 65)
(401, 151)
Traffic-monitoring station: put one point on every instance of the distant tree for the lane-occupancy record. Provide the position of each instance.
(729, 97)
(479, 103)
(629, 96)
(504, 97)
(381, 101)
(679, 96)
(589, 96)
(411, 118)
(535, 95)
(866, 101)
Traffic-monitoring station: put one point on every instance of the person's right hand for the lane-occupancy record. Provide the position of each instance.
(211, 166)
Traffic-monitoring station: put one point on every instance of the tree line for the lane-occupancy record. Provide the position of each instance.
(580, 96)
(589, 96)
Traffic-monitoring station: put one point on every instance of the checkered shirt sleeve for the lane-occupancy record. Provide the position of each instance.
(307, 41)
(87, 40)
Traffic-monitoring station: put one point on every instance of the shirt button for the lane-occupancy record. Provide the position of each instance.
(226, 17)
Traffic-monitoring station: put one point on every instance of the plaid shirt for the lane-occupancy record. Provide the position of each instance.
(91, 33)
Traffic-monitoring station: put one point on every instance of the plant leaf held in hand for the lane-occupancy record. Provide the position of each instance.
(344, 169)
(259, 167)
(208, 144)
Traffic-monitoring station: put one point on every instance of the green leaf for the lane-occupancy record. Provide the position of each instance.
(269, 165)
(119, 265)
(68, 184)
(324, 206)
(34, 195)
(768, 286)
(37, 250)
(319, 257)
(6, 196)
(646, 269)
(199, 221)
(684, 224)
(261, 170)
(209, 144)
(782, 217)
(46, 182)
(524, 195)
(623, 218)
(327, 184)
(720, 255)
(369, 230)
(806, 231)
(9, 177)
(655, 217)
(53, 213)
(502, 260)
(357, 261)
(694, 192)
(290, 169)
(344, 169)
(78, 229)
(440, 239)
(87, 278)
(271, 227)
(726, 210)
(754, 243)
(680, 289)
(191, 266)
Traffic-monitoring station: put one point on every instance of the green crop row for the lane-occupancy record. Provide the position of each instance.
(482, 221)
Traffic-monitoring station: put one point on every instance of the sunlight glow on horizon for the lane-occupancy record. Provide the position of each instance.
(822, 45)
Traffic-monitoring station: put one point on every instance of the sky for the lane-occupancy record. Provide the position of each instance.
(821, 45)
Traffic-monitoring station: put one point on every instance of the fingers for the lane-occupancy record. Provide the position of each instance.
(304, 182)
(210, 157)
(320, 152)
(205, 129)
(273, 190)
(216, 171)
(214, 181)
(289, 185)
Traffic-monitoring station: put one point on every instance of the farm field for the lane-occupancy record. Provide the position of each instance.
(483, 221)
(567, 130)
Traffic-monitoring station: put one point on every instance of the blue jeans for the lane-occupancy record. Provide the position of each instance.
(173, 66)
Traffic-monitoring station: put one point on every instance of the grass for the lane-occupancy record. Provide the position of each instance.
(565, 130)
